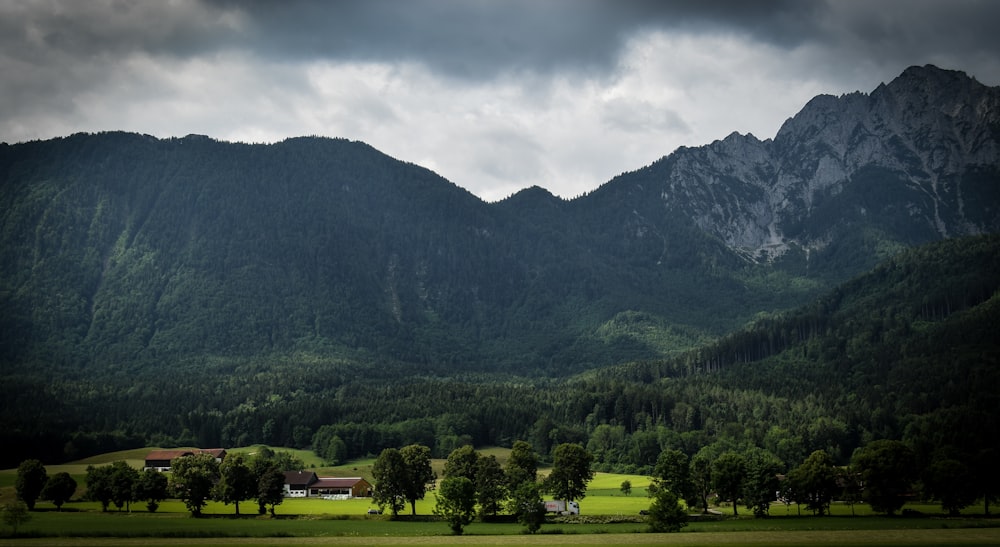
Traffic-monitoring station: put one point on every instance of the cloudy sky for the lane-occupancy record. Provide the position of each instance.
(493, 95)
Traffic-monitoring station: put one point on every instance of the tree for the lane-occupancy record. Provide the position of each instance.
(828, 434)
(522, 465)
(270, 488)
(815, 481)
(491, 485)
(123, 478)
(236, 482)
(701, 479)
(673, 472)
(99, 486)
(760, 484)
(192, 479)
(886, 469)
(570, 472)
(15, 514)
(417, 462)
(389, 473)
(950, 481)
(988, 475)
(151, 488)
(607, 443)
(462, 463)
(790, 492)
(31, 479)
(850, 482)
(626, 487)
(728, 472)
(259, 464)
(336, 451)
(59, 489)
(456, 502)
(288, 461)
(666, 513)
(527, 506)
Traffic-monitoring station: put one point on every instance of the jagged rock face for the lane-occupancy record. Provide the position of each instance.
(928, 138)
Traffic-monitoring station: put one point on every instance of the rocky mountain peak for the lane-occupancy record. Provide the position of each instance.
(928, 140)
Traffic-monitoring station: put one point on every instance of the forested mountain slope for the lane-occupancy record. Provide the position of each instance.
(906, 351)
(121, 250)
(234, 269)
(124, 250)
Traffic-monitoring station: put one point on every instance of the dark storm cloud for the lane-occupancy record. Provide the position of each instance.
(495, 94)
(483, 38)
(898, 32)
(480, 39)
(52, 52)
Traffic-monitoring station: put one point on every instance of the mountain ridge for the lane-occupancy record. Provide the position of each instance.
(120, 248)
(759, 192)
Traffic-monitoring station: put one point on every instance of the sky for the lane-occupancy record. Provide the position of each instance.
(493, 95)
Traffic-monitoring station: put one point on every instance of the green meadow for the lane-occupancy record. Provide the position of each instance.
(607, 517)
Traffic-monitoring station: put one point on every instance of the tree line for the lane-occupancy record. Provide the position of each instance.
(194, 479)
(884, 474)
(473, 480)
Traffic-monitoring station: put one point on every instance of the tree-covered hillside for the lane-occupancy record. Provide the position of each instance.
(906, 351)
(124, 251)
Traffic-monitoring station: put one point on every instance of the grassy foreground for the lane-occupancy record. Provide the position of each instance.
(87, 526)
(899, 538)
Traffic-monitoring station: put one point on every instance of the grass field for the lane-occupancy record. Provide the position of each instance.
(317, 521)
(971, 537)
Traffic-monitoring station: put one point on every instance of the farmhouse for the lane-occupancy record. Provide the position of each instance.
(305, 484)
(297, 483)
(160, 459)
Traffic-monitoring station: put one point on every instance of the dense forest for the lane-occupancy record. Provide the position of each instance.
(906, 351)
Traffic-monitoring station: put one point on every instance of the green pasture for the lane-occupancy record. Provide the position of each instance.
(308, 457)
(87, 528)
(604, 514)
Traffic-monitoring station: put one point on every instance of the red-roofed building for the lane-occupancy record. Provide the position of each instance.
(160, 459)
(354, 487)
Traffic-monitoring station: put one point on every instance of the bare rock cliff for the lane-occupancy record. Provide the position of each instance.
(928, 140)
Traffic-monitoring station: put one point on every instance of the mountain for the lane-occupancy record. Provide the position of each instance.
(123, 250)
(846, 181)
(254, 293)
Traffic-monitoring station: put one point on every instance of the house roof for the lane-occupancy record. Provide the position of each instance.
(337, 482)
(300, 477)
